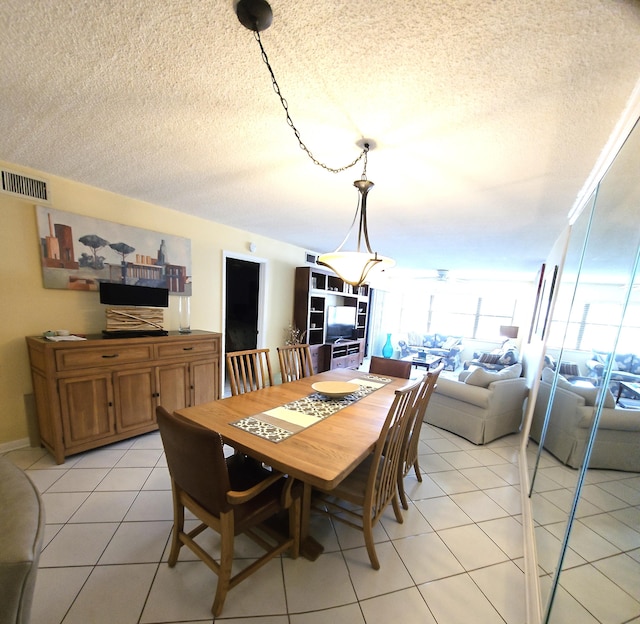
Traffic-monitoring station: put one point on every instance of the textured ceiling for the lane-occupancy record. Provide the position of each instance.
(488, 116)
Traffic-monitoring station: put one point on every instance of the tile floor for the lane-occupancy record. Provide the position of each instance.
(457, 558)
(600, 579)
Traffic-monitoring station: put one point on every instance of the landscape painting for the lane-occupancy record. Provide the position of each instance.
(79, 252)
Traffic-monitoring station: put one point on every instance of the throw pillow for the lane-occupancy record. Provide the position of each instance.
(489, 358)
(509, 357)
(482, 378)
(569, 369)
(450, 343)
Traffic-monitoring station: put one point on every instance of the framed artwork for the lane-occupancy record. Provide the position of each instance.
(79, 252)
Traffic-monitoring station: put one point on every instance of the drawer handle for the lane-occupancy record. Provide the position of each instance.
(187, 348)
(108, 357)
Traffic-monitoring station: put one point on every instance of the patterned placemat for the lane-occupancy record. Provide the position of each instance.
(282, 422)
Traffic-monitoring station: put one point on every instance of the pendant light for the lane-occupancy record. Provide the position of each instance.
(352, 266)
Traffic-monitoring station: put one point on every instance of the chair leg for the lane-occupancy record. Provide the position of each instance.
(396, 509)
(367, 529)
(178, 527)
(401, 492)
(416, 467)
(226, 561)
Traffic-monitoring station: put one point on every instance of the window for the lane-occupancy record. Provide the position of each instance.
(470, 316)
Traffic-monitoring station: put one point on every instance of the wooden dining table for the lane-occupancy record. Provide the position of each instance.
(322, 454)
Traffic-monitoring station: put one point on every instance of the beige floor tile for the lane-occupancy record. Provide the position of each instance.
(104, 507)
(112, 594)
(478, 506)
(77, 545)
(458, 599)
(119, 479)
(349, 614)
(368, 582)
(504, 586)
(56, 589)
(427, 558)
(137, 542)
(472, 547)
(442, 513)
(151, 505)
(320, 584)
(406, 606)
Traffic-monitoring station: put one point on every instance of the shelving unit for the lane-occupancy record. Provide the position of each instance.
(316, 290)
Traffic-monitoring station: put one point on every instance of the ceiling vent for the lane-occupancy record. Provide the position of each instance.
(311, 258)
(21, 186)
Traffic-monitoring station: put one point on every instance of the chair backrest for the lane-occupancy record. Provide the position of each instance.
(249, 370)
(196, 461)
(382, 482)
(388, 366)
(412, 433)
(295, 362)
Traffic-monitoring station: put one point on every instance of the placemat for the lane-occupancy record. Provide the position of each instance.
(282, 422)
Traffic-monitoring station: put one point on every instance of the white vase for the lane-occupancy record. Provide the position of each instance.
(184, 314)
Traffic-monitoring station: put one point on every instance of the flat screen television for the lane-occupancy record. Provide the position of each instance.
(341, 322)
(113, 293)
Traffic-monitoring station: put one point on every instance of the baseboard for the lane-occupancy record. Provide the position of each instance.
(13, 445)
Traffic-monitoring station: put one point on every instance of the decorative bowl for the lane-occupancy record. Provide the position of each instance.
(335, 389)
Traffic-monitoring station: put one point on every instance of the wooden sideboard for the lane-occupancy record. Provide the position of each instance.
(97, 391)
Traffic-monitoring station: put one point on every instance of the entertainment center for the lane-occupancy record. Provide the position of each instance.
(333, 316)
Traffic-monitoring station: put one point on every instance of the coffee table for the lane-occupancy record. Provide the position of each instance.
(632, 387)
(425, 360)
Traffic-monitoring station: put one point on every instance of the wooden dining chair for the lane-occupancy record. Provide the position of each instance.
(409, 454)
(249, 370)
(295, 362)
(391, 367)
(230, 496)
(360, 499)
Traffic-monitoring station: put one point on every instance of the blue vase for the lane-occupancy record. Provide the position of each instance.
(387, 350)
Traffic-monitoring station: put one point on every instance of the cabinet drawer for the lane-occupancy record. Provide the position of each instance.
(176, 349)
(72, 359)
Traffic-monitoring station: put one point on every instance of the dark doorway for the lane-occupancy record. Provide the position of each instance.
(242, 297)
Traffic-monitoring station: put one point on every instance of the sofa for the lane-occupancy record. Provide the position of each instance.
(480, 405)
(21, 534)
(617, 442)
(626, 367)
(494, 360)
(443, 345)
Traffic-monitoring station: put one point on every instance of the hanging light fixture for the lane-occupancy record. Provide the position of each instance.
(352, 266)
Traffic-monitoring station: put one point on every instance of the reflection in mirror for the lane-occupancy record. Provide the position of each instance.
(587, 414)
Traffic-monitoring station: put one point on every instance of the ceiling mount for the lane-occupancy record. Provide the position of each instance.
(255, 15)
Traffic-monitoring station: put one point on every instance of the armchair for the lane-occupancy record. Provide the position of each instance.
(481, 406)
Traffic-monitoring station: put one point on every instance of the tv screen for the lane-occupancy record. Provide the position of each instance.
(341, 322)
(113, 293)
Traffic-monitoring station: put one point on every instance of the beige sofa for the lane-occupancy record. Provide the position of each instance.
(617, 443)
(21, 532)
(479, 413)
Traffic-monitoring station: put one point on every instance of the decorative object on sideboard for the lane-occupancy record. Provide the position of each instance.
(184, 314)
(387, 349)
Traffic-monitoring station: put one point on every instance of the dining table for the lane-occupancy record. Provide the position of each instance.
(298, 431)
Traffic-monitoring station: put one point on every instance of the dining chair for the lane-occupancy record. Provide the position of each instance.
(230, 496)
(409, 453)
(388, 366)
(249, 370)
(295, 362)
(360, 499)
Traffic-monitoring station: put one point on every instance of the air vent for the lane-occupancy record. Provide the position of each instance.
(311, 258)
(21, 186)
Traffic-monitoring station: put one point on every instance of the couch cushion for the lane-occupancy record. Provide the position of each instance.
(481, 377)
(450, 342)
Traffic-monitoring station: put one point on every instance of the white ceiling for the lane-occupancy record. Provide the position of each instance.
(488, 115)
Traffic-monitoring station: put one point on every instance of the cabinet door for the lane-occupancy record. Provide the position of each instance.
(134, 398)
(86, 405)
(172, 382)
(205, 381)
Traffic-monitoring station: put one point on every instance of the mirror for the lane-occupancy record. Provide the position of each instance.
(584, 450)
